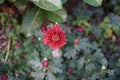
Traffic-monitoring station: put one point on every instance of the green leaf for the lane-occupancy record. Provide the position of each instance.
(114, 19)
(89, 69)
(81, 63)
(94, 45)
(100, 57)
(94, 2)
(35, 64)
(63, 1)
(50, 77)
(72, 63)
(106, 20)
(1, 1)
(47, 53)
(21, 4)
(57, 61)
(57, 16)
(56, 66)
(56, 70)
(70, 52)
(32, 20)
(38, 75)
(94, 76)
(34, 61)
(50, 5)
(83, 45)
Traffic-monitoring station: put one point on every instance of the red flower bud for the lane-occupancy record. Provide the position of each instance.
(80, 29)
(76, 41)
(18, 44)
(4, 77)
(43, 29)
(70, 70)
(45, 63)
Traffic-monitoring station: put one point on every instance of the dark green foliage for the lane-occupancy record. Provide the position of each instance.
(96, 55)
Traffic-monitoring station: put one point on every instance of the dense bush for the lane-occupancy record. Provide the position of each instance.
(49, 40)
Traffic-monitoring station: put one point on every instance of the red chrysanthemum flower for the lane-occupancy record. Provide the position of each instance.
(55, 37)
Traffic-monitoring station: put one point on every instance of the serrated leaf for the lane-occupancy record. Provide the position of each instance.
(94, 45)
(96, 30)
(70, 53)
(38, 75)
(94, 2)
(57, 61)
(32, 21)
(72, 64)
(35, 64)
(56, 70)
(94, 76)
(114, 19)
(50, 77)
(50, 5)
(100, 57)
(70, 39)
(81, 63)
(83, 45)
(46, 53)
(90, 68)
(57, 16)
(57, 64)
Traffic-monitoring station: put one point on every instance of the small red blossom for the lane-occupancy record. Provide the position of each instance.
(4, 77)
(80, 29)
(76, 41)
(55, 37)
(45, 63)
(70, 70)
(43, 29)
(18, 44)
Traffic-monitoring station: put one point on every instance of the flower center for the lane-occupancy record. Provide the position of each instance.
(55, 38)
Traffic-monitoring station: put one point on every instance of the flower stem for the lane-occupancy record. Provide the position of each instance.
(4, 50)
(8, 48)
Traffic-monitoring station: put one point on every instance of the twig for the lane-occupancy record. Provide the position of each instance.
(8, 48)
